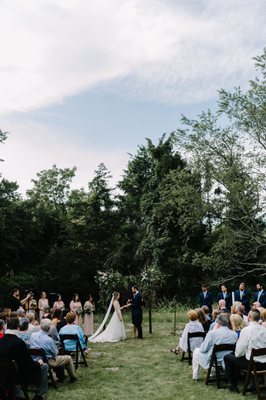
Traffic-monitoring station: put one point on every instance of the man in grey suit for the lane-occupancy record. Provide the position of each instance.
(222, 335)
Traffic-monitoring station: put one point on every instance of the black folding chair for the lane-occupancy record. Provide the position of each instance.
(190, 336)
(41, 353)
(77, 351)
(219, 374)
(255, 370)
(9, 380)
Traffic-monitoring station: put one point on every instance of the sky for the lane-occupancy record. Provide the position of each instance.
(84, 82)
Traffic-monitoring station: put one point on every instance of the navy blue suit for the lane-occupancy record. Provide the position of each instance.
(245, 299)
(262, 299)
(207, 301)
(228, 299)
(136, 309)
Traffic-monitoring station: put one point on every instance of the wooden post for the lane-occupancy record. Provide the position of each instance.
(150, 317)
(175, 321)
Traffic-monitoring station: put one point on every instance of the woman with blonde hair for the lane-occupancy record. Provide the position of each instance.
(237, 323)
(263, 316)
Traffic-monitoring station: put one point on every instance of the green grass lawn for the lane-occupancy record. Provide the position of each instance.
(140, 369)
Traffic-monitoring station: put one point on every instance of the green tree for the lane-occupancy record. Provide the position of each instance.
(227, 149)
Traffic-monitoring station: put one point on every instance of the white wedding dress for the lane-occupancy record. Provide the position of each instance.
(115, 330)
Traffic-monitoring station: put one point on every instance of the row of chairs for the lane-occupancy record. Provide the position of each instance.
(11, 369)
(250, 372)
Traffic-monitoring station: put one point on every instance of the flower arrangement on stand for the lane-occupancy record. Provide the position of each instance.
(108, 282)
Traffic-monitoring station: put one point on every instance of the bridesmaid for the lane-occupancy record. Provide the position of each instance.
(59, 304)
(76, 307)
(89, 307)
(42, 303)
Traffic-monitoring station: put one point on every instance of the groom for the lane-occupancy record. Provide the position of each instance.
(136, 309)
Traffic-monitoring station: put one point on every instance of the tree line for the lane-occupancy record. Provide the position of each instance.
(187, 210)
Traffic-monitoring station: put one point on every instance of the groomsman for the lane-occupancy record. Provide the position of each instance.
(227, 297)
(243, 295)
(260, 295)
(206, 298)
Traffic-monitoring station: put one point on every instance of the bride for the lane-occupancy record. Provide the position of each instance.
(115, 330)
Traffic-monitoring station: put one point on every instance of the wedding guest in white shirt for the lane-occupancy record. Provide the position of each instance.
(252, 336)
(192, 326)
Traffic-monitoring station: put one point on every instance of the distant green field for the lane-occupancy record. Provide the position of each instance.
(140, 369)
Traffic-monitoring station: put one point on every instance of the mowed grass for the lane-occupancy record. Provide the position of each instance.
(140, 369)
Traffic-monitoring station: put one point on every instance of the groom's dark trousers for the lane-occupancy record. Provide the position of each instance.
(137, 313)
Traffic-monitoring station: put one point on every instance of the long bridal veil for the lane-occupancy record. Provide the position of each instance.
(99, 330)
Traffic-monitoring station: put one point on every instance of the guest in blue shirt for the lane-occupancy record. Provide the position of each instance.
(41, 340)
(72, 329)
(24, 333)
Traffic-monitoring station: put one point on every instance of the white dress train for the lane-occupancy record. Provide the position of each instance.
(115, 330)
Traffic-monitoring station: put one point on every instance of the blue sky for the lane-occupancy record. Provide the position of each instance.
(85, 82)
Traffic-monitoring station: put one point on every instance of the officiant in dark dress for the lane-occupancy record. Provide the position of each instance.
(136, 309)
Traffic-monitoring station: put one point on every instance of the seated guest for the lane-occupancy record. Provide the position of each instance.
(222, 306)
(24, 332)
(215, 314)
(72, 329)
(256, 305)
(237, 323)
(29, 371)
(222, 335)
(57, 315)
(2, 328)
(227, 297)
(33, 324)
(53, 333)
(203, 319)
(5, 314)
(238, 308)
(252, 336)
(192, 326)
(41, 340)
(47, 312)
(263, 317)
(21, 313)
(63, 321)
(205, 309)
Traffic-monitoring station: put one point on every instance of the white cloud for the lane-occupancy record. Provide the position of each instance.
(31, 148)
(170, 51)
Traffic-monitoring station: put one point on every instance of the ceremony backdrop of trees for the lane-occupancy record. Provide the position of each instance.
(188, 209)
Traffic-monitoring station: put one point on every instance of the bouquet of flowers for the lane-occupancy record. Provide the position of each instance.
(33, 304)
(88, 309)
(79, 311)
